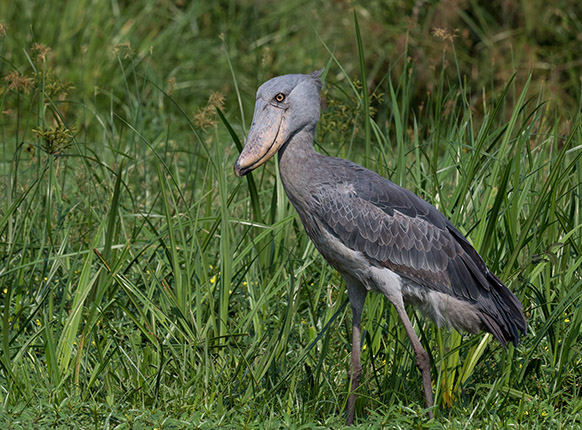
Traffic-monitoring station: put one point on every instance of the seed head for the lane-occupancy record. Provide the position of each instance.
(18, 82)
(40, 51)
(444, 34)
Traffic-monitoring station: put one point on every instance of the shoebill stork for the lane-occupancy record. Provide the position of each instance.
(378, 236)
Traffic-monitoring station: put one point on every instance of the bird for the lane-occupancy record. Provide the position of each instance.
(379, 236)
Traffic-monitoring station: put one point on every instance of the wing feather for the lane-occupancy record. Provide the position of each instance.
(397, 229)
(388, 236)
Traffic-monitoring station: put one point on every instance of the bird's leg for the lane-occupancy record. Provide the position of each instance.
(355, 367)
(422, 358)
(357, 297)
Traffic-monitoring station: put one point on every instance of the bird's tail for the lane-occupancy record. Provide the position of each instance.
(507, 320)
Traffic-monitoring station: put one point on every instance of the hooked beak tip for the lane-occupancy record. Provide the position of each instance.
(238, 171)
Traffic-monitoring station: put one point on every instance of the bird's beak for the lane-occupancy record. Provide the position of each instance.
(268, 132)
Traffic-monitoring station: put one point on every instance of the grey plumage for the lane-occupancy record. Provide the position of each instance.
(396, 229)
(379, 236)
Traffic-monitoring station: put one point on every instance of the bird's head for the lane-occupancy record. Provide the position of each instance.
(285, 105)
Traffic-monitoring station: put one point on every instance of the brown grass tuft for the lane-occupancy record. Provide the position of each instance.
(206, 117)
(40, 51)
(18, 82)
(444, 34)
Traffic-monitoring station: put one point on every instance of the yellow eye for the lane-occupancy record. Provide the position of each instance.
(280, 97)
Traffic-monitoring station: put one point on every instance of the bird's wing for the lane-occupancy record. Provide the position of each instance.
(398, 230)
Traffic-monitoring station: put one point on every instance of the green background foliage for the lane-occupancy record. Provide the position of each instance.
(142, 285)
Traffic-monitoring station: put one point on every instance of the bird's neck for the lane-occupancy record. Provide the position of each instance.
(296, 155)
(298, 162)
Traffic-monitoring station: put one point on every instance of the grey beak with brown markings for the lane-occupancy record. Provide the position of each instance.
(265, 137)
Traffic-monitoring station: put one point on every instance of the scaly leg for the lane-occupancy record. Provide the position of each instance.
(357, 295)
(422, 358)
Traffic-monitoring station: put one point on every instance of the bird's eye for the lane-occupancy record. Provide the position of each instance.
(280, 97)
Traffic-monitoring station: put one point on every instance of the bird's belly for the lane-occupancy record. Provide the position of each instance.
(355, 265)
(442, 308)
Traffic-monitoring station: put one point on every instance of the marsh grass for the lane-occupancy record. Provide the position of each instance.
(142, 285)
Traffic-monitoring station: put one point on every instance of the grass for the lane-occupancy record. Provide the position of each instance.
(142, 285)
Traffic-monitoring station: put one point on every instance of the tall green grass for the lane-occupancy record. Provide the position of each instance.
(141, 284)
